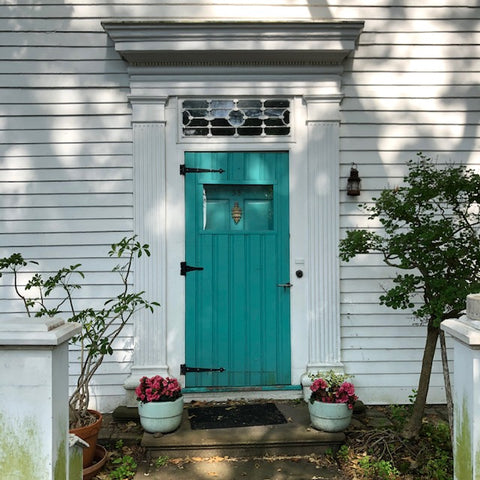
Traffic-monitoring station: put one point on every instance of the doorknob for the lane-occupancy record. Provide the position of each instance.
(285, 285)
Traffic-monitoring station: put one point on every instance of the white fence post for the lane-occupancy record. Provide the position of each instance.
(34, 398)
(466, 392)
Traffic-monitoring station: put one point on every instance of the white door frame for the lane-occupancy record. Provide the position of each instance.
(309, 73)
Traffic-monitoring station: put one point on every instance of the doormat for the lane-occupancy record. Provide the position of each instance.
(229, 416)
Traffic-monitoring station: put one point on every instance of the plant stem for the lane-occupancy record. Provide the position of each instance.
(446, 377)
(414, 424)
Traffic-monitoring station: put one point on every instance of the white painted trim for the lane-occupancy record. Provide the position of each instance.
(233, 43)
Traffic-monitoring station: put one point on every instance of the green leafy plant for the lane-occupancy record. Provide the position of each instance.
(161, 461)
(430, 236)
(438, 434)
(54, 295)
(437, 461)
(377, 469)
(125, 469)
(440, 466)
(399, 413)
(343, 453)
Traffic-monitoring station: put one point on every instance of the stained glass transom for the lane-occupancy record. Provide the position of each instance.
(236, 118)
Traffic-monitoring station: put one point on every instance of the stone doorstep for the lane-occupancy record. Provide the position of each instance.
(293, 438)
(243, 446)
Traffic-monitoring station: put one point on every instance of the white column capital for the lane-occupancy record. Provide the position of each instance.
(148, 108)
(323, 108)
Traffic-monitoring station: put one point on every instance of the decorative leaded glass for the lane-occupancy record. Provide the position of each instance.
(236, 118)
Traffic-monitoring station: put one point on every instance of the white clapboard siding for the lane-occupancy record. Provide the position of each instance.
(51, 101)
(108, 369)
(65, 136)
(16, 241)
(33, 213)
(65, 162)
(87, 290)
(77, 187)
(63, 67)
(63, 122)
(92, 200)
(120, 355)
(66, 153)
(66, 175)
(65, 53)
(62, 149)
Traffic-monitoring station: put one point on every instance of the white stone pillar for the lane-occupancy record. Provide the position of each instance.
(466, 392)
(148, 123)
(34, 399)
(323, 235)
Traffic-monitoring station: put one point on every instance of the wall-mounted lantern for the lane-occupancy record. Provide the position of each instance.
(353, 182)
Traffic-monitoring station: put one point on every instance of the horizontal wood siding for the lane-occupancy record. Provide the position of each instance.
(406, 91)
(66, 144)
(65, 159)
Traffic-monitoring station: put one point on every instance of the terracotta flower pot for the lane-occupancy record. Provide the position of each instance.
(100, 458)
(90, 435)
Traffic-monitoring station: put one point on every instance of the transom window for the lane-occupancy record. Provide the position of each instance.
(236, 118)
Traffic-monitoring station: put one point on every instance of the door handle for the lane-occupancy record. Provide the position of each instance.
(285, 285)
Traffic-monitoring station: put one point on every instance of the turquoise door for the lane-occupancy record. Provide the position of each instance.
(238, 306)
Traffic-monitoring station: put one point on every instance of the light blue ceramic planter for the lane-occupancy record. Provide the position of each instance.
(330, 417)
(161, 417)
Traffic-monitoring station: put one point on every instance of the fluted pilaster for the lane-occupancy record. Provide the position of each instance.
(149, 212)
(323, 234)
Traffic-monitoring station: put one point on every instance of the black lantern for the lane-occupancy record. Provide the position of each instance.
(353, 182)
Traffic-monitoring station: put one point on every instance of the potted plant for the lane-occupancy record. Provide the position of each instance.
(160, 404)
(331, 401)
(53, 296)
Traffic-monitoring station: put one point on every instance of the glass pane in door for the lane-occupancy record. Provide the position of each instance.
(238, 208)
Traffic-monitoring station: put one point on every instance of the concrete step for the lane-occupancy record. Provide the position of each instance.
(296, 437)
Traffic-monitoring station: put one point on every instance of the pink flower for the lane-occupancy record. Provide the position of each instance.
(348, 388)
(333, 389)
(158, 389)
(319, 384)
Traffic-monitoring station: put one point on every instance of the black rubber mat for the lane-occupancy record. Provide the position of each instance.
(229, 416)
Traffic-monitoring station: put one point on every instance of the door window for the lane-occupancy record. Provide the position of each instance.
(238, 208)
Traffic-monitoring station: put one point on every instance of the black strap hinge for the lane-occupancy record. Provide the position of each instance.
(184, 268)
(184, 369)
(184, 170)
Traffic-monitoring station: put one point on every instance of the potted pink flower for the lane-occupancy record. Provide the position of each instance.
(331, 401)
(160, 404)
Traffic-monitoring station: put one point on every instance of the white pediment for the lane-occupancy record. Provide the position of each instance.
(160, 43)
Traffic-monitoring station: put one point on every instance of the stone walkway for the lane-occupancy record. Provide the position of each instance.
(239, 468)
